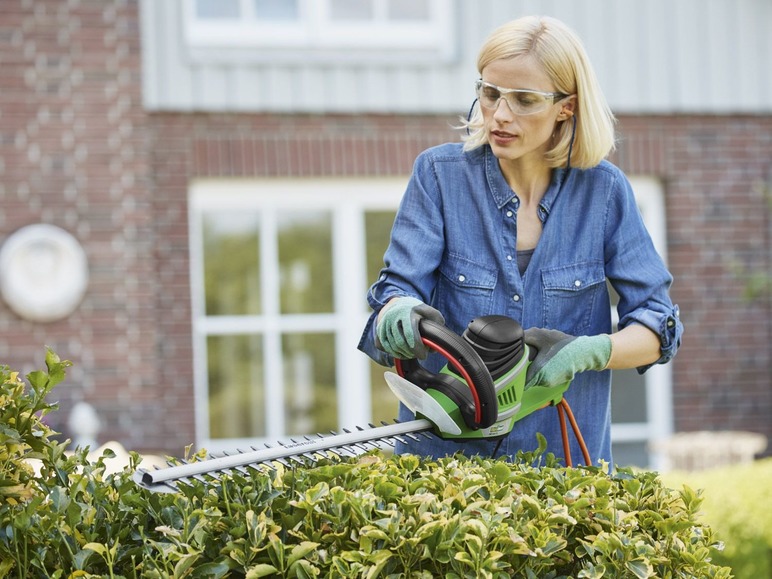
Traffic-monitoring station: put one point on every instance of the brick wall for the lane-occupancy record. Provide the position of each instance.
(78, 151)
(73, 154)
(717, 173)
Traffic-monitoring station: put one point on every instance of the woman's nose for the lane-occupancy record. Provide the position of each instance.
(502, 112)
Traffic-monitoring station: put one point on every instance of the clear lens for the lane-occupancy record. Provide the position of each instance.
(521, 102)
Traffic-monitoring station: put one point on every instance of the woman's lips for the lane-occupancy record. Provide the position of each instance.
(503, 137)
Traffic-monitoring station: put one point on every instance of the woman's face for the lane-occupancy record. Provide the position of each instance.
(514, 136)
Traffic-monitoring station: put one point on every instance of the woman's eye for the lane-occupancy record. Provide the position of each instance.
(527, 99)
(491, 94)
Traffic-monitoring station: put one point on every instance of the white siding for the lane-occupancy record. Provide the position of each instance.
(652, 56)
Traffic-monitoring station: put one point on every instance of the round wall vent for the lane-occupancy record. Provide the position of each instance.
(43, 273)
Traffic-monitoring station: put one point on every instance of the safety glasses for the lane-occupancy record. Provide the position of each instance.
(520, 101)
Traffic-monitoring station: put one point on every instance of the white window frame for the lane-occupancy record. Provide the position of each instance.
(316, 35)
(658, 379)
(348, 199)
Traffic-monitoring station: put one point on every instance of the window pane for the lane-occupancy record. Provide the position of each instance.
(411, 10)
(352, 9)
(630, 454)
(310, 401)
(305, 262)
(377, 232)
(276, 9)
(628, 397)
(232, 263)
(384, 404)
(628, 390)
(217, 9)
(236, 393)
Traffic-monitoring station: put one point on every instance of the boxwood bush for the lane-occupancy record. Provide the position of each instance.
(373, 516)
(736, 505)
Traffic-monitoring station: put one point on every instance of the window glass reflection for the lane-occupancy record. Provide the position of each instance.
(631, 454)
(408, 10)
(628, 391)
(232, 263)
(305, 262)
(236, 393)
(217, 9)
(628, 397)
(352, 9)
(384, 404)
(277, 10)
(310, 398)
(377, 231)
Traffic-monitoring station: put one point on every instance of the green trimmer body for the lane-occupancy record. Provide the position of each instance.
(480, 392)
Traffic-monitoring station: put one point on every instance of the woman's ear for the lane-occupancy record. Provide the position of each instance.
(568, 108)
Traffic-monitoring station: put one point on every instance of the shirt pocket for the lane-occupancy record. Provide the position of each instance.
(575, 296)
(465, 290)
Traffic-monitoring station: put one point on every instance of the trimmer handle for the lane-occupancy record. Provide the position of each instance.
(477, 398)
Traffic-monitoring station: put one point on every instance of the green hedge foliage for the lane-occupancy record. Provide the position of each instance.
(738, 507)
(373, 516)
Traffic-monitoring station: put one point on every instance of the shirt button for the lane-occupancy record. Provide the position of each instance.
(509, 214)
(509, 258)
(516, 297)
(461, 278)
(577, 283)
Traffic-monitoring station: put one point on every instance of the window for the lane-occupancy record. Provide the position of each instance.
(292, 29)
(279, 273)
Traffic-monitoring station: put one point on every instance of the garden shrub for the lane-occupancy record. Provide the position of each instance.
(736, 505)
(372, 516)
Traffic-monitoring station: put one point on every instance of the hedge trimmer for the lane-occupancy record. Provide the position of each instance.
(479, 394)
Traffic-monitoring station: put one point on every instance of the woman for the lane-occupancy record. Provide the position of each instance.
(525, 218)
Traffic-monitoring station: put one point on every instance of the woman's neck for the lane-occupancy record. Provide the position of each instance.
(529, 180)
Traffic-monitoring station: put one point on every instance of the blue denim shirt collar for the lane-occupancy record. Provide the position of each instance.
(502, 193)
(500, 190)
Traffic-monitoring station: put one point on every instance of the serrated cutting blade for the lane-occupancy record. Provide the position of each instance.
(349, 442)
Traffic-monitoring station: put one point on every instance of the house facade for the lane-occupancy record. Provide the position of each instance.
(228, 171)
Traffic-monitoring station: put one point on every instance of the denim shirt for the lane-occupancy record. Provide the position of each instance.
(453, 246)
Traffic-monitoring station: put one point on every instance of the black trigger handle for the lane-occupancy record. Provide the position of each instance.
(477, 400)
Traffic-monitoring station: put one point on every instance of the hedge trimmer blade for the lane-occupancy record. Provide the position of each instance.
(462, 402)
(305, 452)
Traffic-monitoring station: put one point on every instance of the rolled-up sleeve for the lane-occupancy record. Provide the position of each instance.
(666, 324)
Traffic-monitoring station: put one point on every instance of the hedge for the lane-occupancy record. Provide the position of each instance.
(736, 505)
(372, 516)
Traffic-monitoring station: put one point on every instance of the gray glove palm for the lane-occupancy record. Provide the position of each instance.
(397, 327)
(560, 356)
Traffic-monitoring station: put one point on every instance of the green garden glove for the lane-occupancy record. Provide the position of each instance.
(397, 327)
(561, 356)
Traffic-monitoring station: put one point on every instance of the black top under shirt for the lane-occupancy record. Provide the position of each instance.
(523, 259)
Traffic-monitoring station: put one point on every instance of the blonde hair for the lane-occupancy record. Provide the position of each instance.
(561, 54)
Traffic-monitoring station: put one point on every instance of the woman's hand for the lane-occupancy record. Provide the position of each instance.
(396, 331)
(560, 356)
